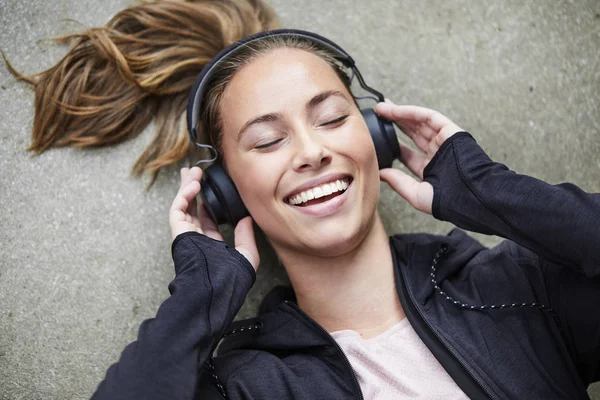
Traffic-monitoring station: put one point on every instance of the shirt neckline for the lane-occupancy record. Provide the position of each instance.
(350, 333)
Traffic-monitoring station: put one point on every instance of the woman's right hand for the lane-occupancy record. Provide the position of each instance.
(428, 129)
(186, 215)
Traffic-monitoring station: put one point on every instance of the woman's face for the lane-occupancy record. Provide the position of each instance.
(290, 125)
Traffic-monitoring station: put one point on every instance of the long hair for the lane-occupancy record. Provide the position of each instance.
(139, 67)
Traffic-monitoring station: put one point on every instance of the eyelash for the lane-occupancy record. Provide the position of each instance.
(332, 122)
(335, 121)
(264, 146)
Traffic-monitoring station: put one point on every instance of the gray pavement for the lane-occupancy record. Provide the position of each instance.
(84, 249)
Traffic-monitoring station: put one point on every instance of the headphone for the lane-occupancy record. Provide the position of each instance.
(220, 196)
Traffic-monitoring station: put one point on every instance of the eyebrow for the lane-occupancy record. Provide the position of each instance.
(277, 116)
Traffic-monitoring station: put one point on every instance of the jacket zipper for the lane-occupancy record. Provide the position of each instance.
(332, 340)
(467, 368)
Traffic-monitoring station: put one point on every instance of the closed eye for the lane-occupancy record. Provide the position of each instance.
(335, 121)
(328, 123)
(264, 146)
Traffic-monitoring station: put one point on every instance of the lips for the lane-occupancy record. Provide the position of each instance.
(318, 185)
(332, 204)
(320, 193)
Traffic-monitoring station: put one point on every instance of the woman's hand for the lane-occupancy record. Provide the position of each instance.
(184, 217)
(428, 129)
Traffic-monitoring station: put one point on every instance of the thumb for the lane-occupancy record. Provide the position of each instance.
(418, 194)
(245, 242)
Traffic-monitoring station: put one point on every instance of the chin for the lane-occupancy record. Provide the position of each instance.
(334, 238)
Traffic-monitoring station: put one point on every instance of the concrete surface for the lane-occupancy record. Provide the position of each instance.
(84, 249)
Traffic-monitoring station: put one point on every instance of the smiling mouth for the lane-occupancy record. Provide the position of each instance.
(320, 194)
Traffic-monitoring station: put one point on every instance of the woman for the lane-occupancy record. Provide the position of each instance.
(369, 315)
(348, 278)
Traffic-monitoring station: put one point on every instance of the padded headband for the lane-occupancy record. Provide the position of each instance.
(198, 90)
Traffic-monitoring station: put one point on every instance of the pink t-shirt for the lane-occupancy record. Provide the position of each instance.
(397, 365)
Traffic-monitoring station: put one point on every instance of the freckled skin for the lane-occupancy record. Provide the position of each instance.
(283, 81)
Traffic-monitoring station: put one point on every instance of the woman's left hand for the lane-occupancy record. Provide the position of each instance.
(428, 129)
(186, 215)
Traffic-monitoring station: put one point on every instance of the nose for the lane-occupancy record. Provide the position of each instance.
(311, 152)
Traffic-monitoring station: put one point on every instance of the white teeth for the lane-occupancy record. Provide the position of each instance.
(319, 191)
(304, 197)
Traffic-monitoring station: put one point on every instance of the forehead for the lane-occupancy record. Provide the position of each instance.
(283, 76)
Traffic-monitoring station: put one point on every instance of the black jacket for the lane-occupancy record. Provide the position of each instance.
(518, 321)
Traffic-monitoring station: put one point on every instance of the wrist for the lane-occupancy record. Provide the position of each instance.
(443, 148)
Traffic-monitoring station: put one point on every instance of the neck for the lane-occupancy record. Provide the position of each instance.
(355, 290)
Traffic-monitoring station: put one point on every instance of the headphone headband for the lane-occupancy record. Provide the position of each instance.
(198, 90)
(220, 196)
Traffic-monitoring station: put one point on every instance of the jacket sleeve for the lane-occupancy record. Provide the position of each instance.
(561, 223)
(212, 280)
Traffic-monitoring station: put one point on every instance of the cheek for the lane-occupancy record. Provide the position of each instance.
(256, 183)
(364, 154)
(362, 148)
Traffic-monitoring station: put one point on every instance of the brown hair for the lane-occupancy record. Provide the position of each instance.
(115, 79)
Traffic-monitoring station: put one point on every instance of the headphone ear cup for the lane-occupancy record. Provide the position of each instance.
(220, 196)
(384, 137)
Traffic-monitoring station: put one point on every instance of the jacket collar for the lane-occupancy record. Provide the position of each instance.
(415, 254)
(285, 328)
(280, 326)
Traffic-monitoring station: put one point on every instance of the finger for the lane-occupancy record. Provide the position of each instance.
(407, 113)
(442, 124)
(432, 118)
(413, 129)
(245, 242)
(190, 174)
(183, 172)
(413, 160)
(400, 113)
(418, 194)
(184, 196)
(419, 140)
(179, 220)
(400, 182)
(194, 174)
(192, 209)
(425, 130)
